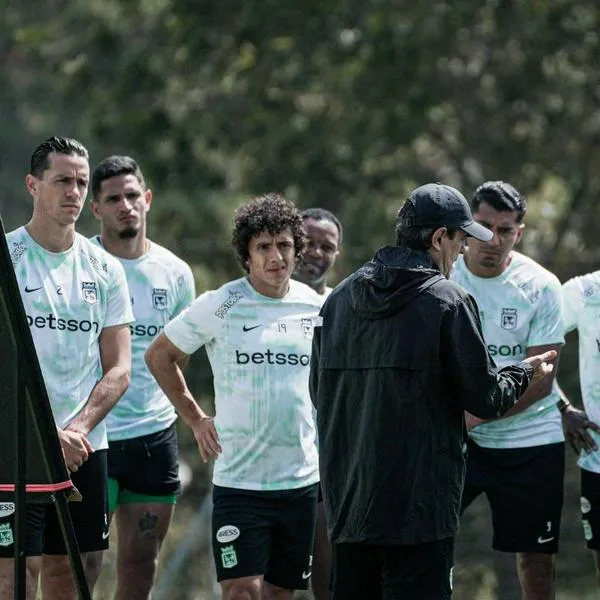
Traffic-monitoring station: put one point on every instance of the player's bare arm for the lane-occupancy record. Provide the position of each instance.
(165, 362)
(115, 356)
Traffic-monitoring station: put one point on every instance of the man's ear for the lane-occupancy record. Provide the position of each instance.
(437, 237)
(94, 209)
(31, 183)
(520, 232)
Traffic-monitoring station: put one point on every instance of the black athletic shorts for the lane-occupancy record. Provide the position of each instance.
(265, 533)
(90, 516)
(146, 465)
(590, 508)
(524, 487)
(393, 572)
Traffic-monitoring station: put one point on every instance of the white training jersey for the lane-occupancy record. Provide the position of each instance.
(161, 285)
(581, 299)
(69, 298)
(519, 309)
(259, 350)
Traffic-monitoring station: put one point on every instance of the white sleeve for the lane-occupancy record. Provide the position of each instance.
(186, 290)
(197, 325)
(118, 311)
(572, 303)
(547, 323)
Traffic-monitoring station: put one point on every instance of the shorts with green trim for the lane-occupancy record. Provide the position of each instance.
(144, 469)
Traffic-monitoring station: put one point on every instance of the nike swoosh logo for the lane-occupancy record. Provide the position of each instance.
(250, 328)
(542, 540)
(306, 575)
(105, 535)
(29, 290)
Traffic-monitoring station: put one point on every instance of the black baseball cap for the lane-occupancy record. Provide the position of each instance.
(437, 205)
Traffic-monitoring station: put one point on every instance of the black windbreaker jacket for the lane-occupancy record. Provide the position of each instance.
(398, 358)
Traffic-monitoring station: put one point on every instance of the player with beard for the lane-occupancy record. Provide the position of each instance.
(142, 456)
(323, 240)
(517, 461)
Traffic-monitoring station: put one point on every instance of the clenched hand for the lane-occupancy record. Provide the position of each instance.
(539, 362)
(76, 448)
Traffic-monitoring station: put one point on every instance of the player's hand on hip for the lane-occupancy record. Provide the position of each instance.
(575, 425)
(207, 438)
(540, 365)
(76, 448)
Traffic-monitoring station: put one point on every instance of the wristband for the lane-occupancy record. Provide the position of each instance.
(562, 405)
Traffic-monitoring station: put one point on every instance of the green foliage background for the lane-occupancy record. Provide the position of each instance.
(346, 105)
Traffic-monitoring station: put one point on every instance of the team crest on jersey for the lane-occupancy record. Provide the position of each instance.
(89, 292)
(508, 318)
(307, 328)
(159, 298)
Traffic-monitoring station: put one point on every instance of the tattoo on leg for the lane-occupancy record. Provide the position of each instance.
(148, 522)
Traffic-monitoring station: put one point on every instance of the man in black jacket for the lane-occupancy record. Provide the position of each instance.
(398, 358)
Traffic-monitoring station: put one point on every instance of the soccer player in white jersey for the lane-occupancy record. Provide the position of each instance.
(77, 304)
(517, 461)
(323, 241)
(143, 477)
(258, 335)
(581, 298)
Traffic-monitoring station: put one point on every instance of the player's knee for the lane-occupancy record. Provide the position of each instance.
(144, 560)
(241, 593)
(245, 588)
(537, 573)
(56, 566)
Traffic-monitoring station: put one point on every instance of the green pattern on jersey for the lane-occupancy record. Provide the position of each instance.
(581, 297)
(69, 298)
(259, 349)
(161, 285)
(519, 309)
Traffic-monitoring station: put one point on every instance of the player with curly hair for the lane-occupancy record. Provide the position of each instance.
(258, 336)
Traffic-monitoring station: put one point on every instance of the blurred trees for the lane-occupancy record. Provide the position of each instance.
(346, 105)
(343, 104)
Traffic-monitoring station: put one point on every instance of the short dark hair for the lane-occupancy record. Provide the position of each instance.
(322, 214)
(268, 212)
(60, 145)
(415, 238)
(501, 196)
(113, 166)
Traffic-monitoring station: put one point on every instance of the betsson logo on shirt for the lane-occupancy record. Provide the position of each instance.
(516, 350)
(145, 330)
(49, 321)
(271, 358)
